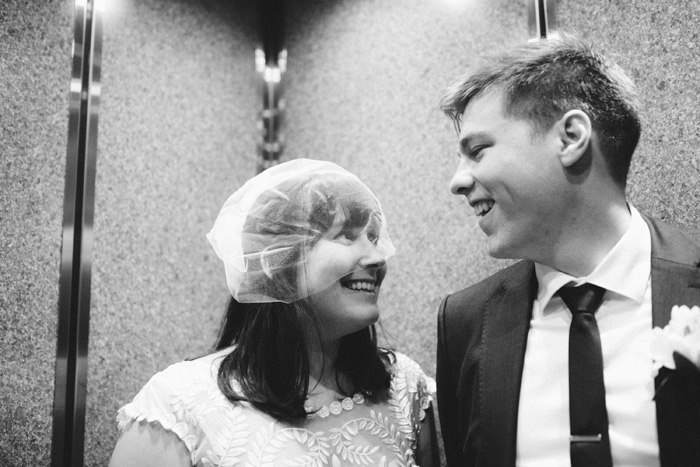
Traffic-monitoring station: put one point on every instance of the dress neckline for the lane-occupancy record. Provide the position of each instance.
(334, 408)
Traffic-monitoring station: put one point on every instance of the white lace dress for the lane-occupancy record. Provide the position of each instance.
(186, 400)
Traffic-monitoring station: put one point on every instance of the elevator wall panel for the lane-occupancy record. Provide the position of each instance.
(35, 54)
(177, 136)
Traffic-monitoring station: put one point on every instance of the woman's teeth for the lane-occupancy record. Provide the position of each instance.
(365, 286)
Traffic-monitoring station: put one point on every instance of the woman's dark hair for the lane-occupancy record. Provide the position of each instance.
(270, 362)
(270, 358)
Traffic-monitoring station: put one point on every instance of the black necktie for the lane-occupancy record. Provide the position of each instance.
(590, 444)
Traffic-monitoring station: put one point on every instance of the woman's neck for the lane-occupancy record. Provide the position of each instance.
(324, 381)
(322, 361)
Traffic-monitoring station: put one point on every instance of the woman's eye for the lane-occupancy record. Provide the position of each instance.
(347, 234)
(350, 235)
(373, 237)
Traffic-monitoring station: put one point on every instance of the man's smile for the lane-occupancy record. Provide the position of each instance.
(482, 207)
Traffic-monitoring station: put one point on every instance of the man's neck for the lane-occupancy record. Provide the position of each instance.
(589, 240)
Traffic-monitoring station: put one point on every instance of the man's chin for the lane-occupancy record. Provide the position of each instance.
(500, 251)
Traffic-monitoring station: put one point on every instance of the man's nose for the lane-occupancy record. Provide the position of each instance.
(463, 179)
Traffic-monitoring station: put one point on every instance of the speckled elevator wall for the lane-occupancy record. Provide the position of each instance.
(35, 46)
(177, 135)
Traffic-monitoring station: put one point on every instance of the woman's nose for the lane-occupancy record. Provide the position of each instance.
(371, 257)
(463, 180)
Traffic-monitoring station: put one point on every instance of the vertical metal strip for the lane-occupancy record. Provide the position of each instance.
(271, 62)
(70, 390)
(542, 18)
(270, 145)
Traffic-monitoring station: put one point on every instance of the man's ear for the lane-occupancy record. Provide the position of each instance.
(575, 133)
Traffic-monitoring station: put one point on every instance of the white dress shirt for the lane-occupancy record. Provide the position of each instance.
(624, 321)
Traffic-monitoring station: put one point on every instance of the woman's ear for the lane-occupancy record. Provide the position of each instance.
(575, 132)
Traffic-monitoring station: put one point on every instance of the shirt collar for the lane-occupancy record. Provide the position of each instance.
(625, 269)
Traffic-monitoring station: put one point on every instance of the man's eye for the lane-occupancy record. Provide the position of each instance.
(477, 152)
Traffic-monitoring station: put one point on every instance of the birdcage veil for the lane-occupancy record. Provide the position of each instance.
(266, 227)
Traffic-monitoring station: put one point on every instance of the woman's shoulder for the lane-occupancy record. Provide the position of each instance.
(191, 371)
(403, 362)
(185, 399)
(167, 394)
(411, 387)
(408, 370)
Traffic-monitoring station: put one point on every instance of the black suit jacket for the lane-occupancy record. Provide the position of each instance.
(482, 334)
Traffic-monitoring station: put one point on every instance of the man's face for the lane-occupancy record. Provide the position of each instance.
(512, 178)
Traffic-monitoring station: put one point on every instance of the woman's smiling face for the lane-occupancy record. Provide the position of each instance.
(347, 255)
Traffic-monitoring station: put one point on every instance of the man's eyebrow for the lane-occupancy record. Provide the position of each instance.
(467, 140)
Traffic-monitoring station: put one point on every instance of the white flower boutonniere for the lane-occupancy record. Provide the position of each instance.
(681, 336)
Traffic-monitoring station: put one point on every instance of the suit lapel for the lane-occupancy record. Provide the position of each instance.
(675, 279)
(675, 271)
(506, 324)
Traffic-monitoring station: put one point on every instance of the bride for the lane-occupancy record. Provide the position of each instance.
(297, 377)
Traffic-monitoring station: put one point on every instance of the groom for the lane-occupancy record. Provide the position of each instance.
(526, 376)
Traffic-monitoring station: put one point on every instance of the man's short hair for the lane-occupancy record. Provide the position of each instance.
(542, 80)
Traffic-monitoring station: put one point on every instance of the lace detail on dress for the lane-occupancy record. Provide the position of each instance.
(186, 400)
(166, 420)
